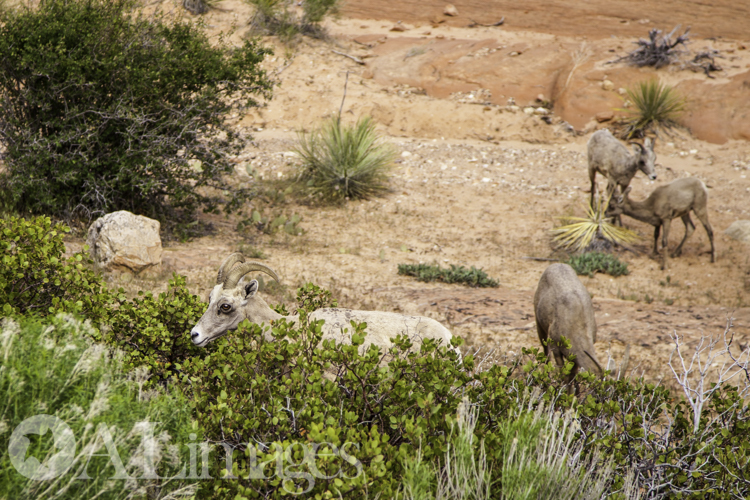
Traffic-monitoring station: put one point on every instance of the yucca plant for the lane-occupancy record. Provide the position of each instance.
(342, 162)
(656, 105)
(577, 233)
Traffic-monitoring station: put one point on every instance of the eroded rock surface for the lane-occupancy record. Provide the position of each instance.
(122, 241)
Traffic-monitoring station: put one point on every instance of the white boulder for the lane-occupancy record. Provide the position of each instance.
(126, 242)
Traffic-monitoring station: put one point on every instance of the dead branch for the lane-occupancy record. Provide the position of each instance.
(353, 58)
(658, 51)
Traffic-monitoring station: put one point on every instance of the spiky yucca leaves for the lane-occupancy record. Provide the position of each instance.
(577, 233)
(344, 161)
(656, 105)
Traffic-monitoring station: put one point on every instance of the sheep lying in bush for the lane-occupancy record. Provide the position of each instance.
(233, 300)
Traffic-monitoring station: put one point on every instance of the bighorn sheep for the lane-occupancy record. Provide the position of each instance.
(562, 307)
(665, 203)
(610, 158)
(233, 300)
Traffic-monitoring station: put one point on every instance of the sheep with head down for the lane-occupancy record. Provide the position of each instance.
(235, 299)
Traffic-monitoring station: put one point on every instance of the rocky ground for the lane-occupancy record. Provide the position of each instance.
(479, 181)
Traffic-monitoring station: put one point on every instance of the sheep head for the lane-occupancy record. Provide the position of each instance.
(645, 157)
(232, 300)
(617, 203)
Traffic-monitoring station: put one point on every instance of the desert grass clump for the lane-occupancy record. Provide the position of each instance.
(578, 233)
(342, 162)
(456, 274)
(656, 105)
(598, 262)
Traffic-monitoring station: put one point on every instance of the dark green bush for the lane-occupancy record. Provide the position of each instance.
(598, 262)
(456, 274)
(104, 109)
(35, 277)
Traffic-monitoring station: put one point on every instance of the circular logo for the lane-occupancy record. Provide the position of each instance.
(57, 464)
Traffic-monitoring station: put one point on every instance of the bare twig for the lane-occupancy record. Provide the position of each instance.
(346, 82)
(353, 58)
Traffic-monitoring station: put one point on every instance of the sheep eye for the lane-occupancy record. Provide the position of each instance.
(225, 308)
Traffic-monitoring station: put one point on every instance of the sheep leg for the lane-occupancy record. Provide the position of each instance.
(656, 240)
(689, 228)
(592, 176)
(611, 189)
(665, 242)
(702, 215)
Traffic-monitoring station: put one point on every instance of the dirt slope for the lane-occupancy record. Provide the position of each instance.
(476, 183)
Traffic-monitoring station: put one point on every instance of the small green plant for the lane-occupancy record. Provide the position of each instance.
(275, 17)
(578, 233)
(272, 224)
(656, 105)
(251, 252)
(590, 263)
(455, 274)
(341, 162)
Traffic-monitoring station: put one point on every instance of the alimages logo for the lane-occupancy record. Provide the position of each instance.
(279, 462)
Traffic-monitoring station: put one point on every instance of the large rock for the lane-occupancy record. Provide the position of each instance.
(739, 230)
(126, 242)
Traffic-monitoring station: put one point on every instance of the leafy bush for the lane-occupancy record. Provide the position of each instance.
(583, 233)
(341, 162)
(154, 332)
(50, 367)
(597, 262)
(35, 277)
(456, 274)
(103, 109)
(656, 105)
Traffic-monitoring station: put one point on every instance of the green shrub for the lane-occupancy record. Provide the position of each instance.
(104, 109)
(341, 162)
(154, 332)
(656, 105)
(590, 263)
(456, 274)
(35, 277)
(50, 367)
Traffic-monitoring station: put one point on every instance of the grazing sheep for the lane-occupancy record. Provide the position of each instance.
(233, 300)
(665, 203)
(562, 307)
(610, 158)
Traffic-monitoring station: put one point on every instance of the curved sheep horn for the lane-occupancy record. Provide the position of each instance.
(226, 266)
(238, 272)
(640, 146)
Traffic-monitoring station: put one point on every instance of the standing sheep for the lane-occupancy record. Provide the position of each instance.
(665, 203)
(610, 158)
(563, 307)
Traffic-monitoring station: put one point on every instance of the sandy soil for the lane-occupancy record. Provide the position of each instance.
(478, 182)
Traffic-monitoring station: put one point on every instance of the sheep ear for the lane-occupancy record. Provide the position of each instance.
(251, 288)
(627, 191)
(649, 144)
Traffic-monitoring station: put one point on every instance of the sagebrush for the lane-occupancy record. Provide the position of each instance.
(590, 263)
